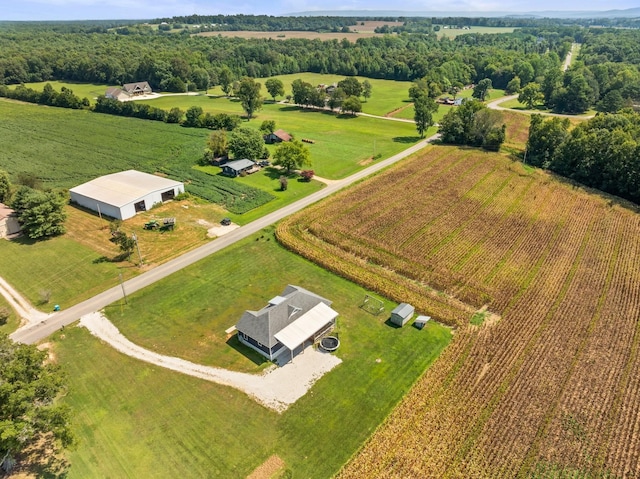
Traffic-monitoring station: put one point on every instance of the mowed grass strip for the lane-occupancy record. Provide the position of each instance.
(169, 415)
(133, 419)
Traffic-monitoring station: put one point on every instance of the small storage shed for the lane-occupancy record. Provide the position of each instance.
(277, 136)
(402, 314)
(421, 321)
(9, 224)
(122, 195)
(235, 168)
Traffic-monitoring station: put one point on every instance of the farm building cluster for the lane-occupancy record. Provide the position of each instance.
(122, 195)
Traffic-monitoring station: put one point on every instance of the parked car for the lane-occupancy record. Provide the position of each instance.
(264, 163)
(225, 221)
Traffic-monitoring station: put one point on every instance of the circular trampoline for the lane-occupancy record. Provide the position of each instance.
(329, 343)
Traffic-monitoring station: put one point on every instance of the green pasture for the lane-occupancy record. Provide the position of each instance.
(408, 113)
(454, 32)
(342, 142)
(516, 105)
(138, 420)
(386, 95)
(88, 90)
(68, 271)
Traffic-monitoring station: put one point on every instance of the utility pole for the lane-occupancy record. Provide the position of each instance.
(122, 285)
(135, 238)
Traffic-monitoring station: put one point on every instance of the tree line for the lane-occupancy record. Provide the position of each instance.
(603, 152)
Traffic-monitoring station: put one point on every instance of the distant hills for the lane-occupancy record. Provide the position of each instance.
(626, 13)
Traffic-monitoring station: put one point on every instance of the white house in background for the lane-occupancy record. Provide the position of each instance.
(9, 224)
(122, 195)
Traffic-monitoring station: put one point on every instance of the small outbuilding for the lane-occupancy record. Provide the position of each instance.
(402, 314)
(237, 167)
(9, 224)
(122, 195)
(277, 136)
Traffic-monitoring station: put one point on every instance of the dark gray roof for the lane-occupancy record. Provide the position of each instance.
(239, 165)
(403, 310)
(290, 305)
(141, 85)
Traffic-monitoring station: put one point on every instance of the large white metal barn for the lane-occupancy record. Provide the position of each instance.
(122, 195)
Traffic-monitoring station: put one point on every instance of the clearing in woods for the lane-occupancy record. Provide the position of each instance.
(549, 387)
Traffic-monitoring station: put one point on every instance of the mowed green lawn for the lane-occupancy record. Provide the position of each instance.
(82, 90)
(409, 113)
(12, 321)
(386, 95)
(67, 270)
(138, 420)
(342, 143)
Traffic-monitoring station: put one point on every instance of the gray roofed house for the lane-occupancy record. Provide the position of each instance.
(116, 93)
(235, 168)
(402, 313)
(138, 88)
(295, 307)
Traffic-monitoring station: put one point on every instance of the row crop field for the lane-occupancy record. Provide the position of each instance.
(547, 388)
(64, 148)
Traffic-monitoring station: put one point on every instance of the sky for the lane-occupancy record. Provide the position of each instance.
(147, 9)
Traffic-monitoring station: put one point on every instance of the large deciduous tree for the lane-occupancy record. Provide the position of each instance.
(246, 143)
(249, 93)
(351, 86)
(29, 413)
(424, 108)
(292, 155)
(531, 95)
(481, 90)
(217, 145)
(275, 87)
(351, 105)
(40, 213)
(545, 137)
(473, 124)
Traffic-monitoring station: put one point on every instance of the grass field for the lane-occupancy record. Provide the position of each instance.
(454, 32)
(550, 384)
(288, 34)
(64, 148)
(64, 269)
(12, 322)
(138, 420)
(408, 113)
(88, 90)
(343, 144)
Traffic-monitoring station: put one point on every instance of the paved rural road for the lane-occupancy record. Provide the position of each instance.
(495, 105)
(33, 333)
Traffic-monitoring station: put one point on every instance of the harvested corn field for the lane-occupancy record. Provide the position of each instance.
(551, 389)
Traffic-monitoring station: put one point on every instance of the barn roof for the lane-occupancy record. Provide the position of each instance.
(283, 135)
(119, 189)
